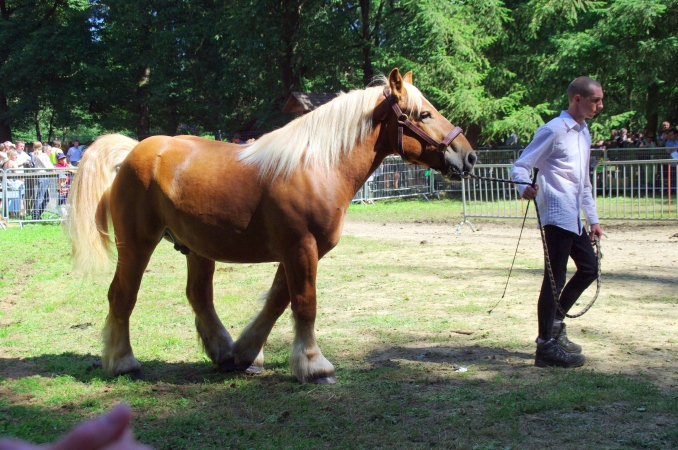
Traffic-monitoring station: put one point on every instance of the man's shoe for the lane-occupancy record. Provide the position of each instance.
(550, 354)
(560, 335)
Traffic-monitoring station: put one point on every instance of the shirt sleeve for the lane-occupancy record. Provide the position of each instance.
(539, 149)
(588, 204)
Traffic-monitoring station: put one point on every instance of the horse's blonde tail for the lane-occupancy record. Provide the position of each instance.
(89, 212)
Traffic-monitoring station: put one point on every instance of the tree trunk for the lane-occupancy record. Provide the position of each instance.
(5, 128)
(38, 133)
(50, 133)
(472, 133)
(651, 113)
(368, 72)
(291, 16)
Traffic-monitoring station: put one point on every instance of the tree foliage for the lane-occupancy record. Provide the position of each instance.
(492, 66)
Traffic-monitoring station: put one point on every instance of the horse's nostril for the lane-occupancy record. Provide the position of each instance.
(471, 158)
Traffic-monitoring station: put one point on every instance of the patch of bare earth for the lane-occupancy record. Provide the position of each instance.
(631, 329)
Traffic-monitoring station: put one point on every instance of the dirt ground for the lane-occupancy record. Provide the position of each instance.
(631, 329)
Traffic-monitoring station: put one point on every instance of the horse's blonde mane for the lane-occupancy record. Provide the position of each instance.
(320, 138)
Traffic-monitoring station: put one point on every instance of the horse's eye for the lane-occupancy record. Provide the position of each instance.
(425, 115)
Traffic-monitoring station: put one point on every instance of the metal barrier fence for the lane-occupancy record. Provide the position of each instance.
(34, 195)
(630, 190)
(636, 189)
(397, 179)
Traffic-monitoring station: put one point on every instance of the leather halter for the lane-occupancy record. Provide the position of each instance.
(404, 121)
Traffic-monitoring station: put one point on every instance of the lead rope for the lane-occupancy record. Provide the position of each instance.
(547, 260)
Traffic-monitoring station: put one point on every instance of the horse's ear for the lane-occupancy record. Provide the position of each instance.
(395, 82)
(408, 77)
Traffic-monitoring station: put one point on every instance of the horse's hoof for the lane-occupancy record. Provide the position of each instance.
(249, 369)
(254, 369)
(323, 379)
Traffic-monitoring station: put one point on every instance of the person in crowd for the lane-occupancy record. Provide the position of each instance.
(237, 139)
(15, 186)
(663, 133)
(62, 189)
(22, 156)
(62, 163)
(52, 152)
(671, 142)
(512, 139)
(74, 154)
(561, 151)
(110, 431)
(56, 144)
(6, 147)
(624, 139)
(47, 150)
(648, 140)
(42, 186)
(613, 141)
(671, 145)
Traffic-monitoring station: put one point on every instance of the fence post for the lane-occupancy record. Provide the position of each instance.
(3, 199)
(463, 208)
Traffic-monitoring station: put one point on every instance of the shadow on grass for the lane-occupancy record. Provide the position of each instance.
(476, 354)
(86, 368)
(377, 408)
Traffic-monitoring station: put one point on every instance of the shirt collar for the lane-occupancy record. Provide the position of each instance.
(572, 124)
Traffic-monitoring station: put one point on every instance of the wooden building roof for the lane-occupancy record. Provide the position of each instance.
(304, 102)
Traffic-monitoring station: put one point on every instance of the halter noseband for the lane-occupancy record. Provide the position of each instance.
(404, 121)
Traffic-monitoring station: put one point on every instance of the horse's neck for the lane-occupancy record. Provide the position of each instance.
(363, 160)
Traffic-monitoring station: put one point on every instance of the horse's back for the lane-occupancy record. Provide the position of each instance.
(196, 188)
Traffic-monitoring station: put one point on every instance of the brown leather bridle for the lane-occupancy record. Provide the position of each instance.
(404, 121)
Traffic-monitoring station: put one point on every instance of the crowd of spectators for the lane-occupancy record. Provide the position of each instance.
(29, 193)
(667, 137)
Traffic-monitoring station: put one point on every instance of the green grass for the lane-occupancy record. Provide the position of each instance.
(408, 210)
(384, 322)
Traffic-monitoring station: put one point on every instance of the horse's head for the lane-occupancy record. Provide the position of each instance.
(421, 135)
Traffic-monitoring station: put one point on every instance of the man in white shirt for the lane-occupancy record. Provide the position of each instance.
(561, 151)
(74, 154)
(22, 157)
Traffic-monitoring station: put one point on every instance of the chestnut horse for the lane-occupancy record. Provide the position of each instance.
(280, 199)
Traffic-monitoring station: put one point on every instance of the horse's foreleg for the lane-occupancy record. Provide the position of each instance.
(216, 341)
(308, 362)
(117, 356)
(248, 349)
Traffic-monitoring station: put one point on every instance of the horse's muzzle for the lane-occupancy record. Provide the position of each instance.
(459, 166)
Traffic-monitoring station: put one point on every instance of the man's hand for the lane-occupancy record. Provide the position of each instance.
(595, 231)
(530, 192)
(108, 432)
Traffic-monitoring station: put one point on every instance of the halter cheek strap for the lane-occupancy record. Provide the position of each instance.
(404, 121)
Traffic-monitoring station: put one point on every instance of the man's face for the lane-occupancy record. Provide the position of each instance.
(665, 126)
(47, 150)
(591, 105)
(20, 147)
(673, 135)
(76, 143)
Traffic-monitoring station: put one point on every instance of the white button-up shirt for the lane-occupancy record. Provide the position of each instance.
(561, 150)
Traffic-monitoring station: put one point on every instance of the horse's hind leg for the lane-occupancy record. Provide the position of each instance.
(248, 349)
(117, 357)
(216, 341)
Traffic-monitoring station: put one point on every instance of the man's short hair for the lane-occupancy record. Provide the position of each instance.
(582, 86)
(237, 136)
